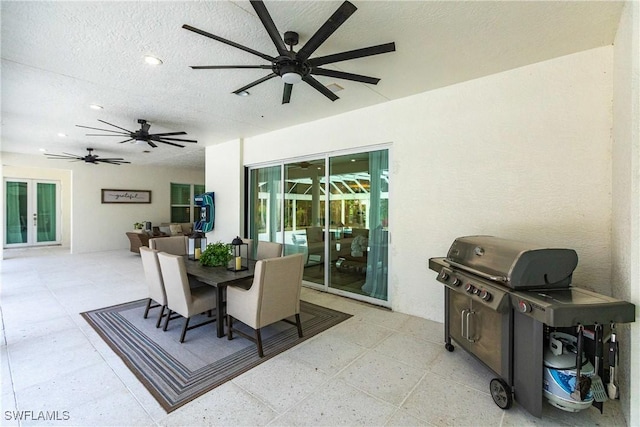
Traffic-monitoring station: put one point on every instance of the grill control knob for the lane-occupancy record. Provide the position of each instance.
(456, 282)
(444, 275)
(469, 288)
(484, 295)
(524, 306)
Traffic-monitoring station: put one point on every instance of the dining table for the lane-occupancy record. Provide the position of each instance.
(220, 278)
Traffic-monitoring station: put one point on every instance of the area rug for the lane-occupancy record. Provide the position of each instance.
(176, 373)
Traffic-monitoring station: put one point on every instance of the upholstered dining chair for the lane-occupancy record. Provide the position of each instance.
(153, 277)
(273, 296)
(268, 250)
(181, 298)
(175, 245)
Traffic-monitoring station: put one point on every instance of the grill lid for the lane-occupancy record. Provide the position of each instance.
(517, 264)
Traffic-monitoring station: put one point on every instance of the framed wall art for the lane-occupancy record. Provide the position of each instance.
(126, 196)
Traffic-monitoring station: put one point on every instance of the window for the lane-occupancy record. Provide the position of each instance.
(182, 196)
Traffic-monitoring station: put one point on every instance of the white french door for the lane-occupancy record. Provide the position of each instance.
(32, 212)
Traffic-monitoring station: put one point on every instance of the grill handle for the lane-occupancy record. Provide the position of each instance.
(465, 322)
(478, 272)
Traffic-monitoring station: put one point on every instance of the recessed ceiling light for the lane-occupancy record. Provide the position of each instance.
(43, 150)
(243, 93)
(152, 60)
(95, 107)
(62, 135)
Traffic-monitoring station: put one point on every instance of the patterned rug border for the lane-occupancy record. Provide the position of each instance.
(168, 380)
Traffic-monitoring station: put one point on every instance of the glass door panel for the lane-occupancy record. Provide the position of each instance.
(265, 215)
(31, 213)
(358, 223)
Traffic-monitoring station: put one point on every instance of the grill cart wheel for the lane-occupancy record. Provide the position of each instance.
(449, 347)
(501, 393)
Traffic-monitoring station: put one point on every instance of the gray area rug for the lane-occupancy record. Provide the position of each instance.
(177, 373)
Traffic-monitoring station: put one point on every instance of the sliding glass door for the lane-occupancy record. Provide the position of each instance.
(333, 210)
(32, 213)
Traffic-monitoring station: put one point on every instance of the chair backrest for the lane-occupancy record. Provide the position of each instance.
(268, 250)
(153, 275)
(314, 234)
(175, 245)
(278, 282)
(176, 283)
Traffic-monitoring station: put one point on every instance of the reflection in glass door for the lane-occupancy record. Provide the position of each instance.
(336, 218)
(31, 213)
(358, 223)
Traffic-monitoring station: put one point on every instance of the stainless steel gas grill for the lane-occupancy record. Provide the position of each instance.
(503, 298)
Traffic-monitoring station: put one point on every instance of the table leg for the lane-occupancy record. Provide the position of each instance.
(220, 311)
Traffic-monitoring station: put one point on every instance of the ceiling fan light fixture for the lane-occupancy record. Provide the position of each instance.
(291, 78)
(243, 93)
(139, 141)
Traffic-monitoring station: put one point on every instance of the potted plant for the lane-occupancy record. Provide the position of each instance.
(138, 226)
(216, 255)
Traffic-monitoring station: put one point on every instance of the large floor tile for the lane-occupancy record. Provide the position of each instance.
(327, 353)
(283, 382)
(383, 377)
(338, 404)
(227, 405)
(440, 402)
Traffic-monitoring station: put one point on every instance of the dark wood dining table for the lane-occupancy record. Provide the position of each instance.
(220, 278)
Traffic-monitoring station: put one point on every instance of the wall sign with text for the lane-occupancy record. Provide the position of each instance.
(126, 196)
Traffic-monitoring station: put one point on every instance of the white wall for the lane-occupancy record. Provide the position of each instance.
(224, 176)
(626, 200)
(523, 154)
(96, 226)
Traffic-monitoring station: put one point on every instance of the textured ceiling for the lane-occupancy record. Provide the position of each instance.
(59, 57)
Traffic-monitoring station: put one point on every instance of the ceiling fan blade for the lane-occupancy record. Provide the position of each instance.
(61, 156)
(229, 42)
(110, 159)
(170, 143)
(103, 130)
(226, 67)
(346, 76)
(111, 124)
(267, 21)
(252, 84)
(152, 144)
(286, 95)
(320, 88)
(168, 134)
(126, 140)
(112, 162)
(353, 54)
(338, 18)
(175, 139)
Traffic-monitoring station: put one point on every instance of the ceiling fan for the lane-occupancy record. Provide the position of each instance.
(142, 135)
(89, 158)
(294, 67)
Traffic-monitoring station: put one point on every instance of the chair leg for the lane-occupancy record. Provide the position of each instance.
(160, 316)
(166, 321)
(259, 343)
(184, 329)
(146, 310)
(229, 328)
(299, 324)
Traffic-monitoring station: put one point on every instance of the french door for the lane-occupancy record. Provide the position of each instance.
(32, 212)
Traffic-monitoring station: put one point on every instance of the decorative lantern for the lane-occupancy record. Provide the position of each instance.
(239, 262)
(197, 245)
